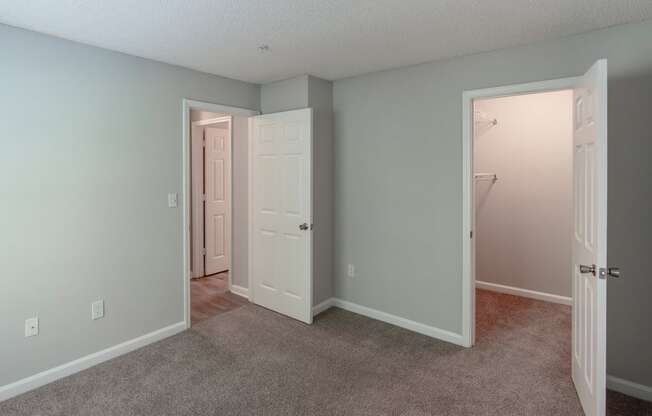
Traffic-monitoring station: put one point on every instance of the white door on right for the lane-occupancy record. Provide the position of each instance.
(590, 239)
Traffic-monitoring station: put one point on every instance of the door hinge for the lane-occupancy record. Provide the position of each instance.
(203, 251)
(203, 197)
(471, 234)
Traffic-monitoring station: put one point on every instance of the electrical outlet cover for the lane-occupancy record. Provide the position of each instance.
(31, 327)
(97, 309)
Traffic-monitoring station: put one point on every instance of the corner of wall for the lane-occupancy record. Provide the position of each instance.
(284, 95)
(320, 99)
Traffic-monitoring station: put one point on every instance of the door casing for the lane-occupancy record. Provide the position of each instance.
(468, 209)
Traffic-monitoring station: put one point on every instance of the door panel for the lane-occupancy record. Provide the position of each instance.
(281, 202)
(217, 179)
(589, 238)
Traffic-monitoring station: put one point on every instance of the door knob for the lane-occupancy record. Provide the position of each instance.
(587, 269)
(303, 227)
(610, 272)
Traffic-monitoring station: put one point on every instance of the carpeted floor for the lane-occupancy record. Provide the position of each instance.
(251, 361)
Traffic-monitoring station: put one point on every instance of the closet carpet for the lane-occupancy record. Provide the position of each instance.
(251, 361)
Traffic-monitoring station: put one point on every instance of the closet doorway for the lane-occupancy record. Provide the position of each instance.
(535, 226)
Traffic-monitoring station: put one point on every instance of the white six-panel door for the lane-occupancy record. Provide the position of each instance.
(217, 180)
(281, 213)
(590, 238)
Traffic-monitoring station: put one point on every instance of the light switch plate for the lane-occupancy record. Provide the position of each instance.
(350, 270)
(97, 309)
(31, 326)
(172, 200)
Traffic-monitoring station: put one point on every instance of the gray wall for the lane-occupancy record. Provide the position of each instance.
(523, 221)
(289, 94)
(398, 175)
(240, 220)
(320, 99)
(91, 146)
(301, 92)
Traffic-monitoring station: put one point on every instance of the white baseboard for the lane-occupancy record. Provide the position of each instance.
(629, 388)
(64, 370)
(424, 329)
(240, 291)
(327, 304)
(526, 293)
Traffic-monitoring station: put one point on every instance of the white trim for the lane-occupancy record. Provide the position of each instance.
(188, 105)
(186, 173)
(250, 209)
(239, 290)
(414, 326)
(72, 367)
(311, 198)
(526, 293)
(468, 244)
(325, 305)
(629, 388)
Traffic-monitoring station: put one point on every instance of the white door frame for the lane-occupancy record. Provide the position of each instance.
(468, 208)
(187, 105)
(198, 237)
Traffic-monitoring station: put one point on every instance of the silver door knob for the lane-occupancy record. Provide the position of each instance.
(587, 269)
(609, 272)
(303, 227)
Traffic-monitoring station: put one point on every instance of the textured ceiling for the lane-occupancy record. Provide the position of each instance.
(331, 39)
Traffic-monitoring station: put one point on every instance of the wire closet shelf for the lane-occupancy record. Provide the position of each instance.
(485, 177)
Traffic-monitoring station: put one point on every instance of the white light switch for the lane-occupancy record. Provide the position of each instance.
(172, 200)
(31, 327)
(97, 309)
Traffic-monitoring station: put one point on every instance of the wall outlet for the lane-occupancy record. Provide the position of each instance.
(31, 327)
(350, 271)
(173, 200)
(97, 309)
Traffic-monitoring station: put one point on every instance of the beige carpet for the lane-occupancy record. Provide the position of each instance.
(251, 361)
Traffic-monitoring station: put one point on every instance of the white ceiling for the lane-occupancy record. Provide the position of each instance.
(331, 39)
